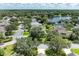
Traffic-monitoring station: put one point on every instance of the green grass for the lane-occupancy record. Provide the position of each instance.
(75, 50)
(13, 32)
(8, 50)
(25, 33)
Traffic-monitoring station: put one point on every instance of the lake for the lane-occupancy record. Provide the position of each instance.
(56, 19)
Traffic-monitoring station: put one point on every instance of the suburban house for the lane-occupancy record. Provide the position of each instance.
(61, 30)
(34, 23)
(3, 23)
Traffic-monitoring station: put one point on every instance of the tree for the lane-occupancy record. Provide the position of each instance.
(14, 21)
(26, 47)
(74, 35)
(9, 29)
(42, 18)
(1, 37)
(27, 22)
(45, 19)
(56, 43)
(28, 15)
(37, 32)
(1, 52)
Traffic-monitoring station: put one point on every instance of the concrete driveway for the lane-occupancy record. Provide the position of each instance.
(74, 45)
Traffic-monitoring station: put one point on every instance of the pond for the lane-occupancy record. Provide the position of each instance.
(56, 19)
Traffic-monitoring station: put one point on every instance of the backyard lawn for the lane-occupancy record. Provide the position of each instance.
(75, 50)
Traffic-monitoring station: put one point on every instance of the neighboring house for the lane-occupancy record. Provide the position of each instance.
(3, 23)
(61, 30)
(34, 23)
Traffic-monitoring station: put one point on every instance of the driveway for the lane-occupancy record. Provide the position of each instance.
(41, 49)
(68, 51)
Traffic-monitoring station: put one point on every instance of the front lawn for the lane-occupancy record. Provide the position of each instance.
(75, 50)
(8, 50)
(26, 33)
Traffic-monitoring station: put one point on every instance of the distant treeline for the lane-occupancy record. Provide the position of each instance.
(38, 12)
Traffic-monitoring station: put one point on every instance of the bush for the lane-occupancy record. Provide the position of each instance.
(34, 51)
(8, 33)
(51, 52)
(76, 41)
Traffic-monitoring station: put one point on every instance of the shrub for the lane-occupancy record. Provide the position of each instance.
(34, 51)
(5, 40)
(75, 41)
(51, 52)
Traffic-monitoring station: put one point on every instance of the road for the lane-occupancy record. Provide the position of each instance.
(17, 35)
(19, 32)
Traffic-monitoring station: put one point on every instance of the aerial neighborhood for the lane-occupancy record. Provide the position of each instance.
(39, 32)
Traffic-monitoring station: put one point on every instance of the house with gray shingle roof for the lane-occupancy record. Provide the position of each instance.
(61, 30)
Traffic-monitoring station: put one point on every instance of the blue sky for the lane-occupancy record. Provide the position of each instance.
(39, 6)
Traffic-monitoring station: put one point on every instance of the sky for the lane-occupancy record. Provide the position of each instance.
(39, 6)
